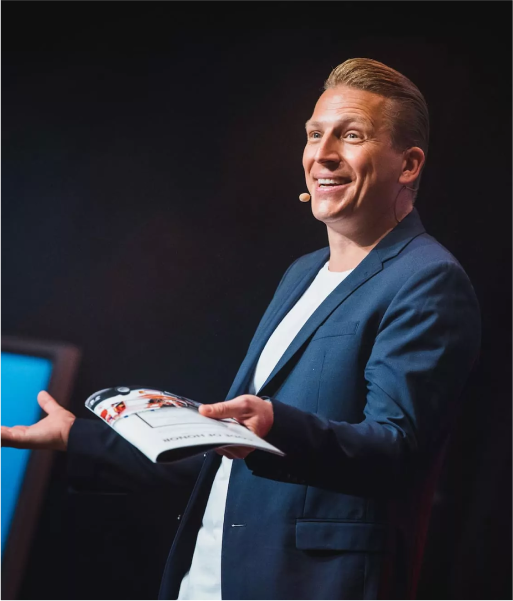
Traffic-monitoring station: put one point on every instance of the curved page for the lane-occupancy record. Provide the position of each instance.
(167, 427)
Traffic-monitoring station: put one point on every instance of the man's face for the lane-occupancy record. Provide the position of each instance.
(350, 166)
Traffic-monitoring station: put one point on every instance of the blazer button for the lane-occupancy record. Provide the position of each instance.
(179, 517)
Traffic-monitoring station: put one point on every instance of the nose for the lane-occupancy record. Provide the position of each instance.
(328, 150)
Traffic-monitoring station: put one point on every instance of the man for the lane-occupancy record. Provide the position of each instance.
(353, 372)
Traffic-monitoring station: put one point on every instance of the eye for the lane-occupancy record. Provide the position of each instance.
(314, 135)
(352, 135)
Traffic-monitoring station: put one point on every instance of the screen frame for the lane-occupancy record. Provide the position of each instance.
(65, 359)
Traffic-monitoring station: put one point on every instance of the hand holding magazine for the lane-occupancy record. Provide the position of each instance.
(167, 427)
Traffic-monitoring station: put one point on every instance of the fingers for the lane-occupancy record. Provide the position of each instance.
(6, 436)
(47, 402)
(225, 453)
(235, 452)
(50, 433)
(13, 437)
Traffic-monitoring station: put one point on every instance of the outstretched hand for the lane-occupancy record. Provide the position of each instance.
(49, 433)
(251, 411)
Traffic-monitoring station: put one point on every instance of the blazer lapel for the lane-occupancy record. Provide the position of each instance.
(365, 270)
(287, 300)
(391, 245)
(282, 304)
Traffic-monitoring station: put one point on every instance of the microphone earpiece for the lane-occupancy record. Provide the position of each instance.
(305, 197)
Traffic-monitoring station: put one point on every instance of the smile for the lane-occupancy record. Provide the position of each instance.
(331, 185)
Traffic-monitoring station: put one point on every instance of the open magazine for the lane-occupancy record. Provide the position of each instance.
(167, 427)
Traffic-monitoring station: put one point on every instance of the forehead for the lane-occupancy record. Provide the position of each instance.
(342, 103)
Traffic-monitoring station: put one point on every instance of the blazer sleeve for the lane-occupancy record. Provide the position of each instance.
(424, 350)
(98, 456)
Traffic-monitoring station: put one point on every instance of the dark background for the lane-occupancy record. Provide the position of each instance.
(151, 164)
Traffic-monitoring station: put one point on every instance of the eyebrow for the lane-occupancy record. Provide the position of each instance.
(352, 118)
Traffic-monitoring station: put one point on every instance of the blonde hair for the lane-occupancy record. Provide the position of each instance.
(407, 113)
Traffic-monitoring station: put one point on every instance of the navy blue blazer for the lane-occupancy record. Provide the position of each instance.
(363, 400)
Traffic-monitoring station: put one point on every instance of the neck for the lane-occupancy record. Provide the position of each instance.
(350, 245)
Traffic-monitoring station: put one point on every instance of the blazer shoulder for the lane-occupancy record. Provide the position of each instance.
(424, 258)
(424, 251)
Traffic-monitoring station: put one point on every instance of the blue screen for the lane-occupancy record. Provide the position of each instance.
(23, 377)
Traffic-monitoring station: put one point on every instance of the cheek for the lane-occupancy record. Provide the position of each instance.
(358, 162)
(368, 172)
(388, 167)
(307, 160)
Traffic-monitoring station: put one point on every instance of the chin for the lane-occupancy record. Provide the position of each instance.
(331, 218)
(330, 214)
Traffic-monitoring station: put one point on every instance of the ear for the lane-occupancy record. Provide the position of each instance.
(413, 160)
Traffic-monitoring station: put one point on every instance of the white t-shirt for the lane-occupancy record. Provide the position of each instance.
(203, 581)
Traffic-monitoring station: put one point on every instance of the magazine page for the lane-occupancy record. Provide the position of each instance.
(167, 427)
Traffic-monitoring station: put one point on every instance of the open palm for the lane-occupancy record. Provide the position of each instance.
(49, 433)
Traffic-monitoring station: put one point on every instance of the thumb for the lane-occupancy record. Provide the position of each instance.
(47, 402)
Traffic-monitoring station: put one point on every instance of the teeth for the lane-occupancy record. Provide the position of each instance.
(327, 182)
